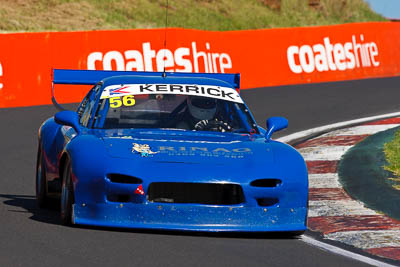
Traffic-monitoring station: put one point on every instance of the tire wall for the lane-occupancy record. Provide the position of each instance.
(269, 57)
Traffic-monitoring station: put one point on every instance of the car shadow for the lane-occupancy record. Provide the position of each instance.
(240, 235)
(51, 215)
(28, 203)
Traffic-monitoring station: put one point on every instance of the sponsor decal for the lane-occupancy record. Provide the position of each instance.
(139, 190)
(118, 91)
(1, 74)
(329, 56)
(144, 150)
(183, 59)
(224, 93)
(205, 151)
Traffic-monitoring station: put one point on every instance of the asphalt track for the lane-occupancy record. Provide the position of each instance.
(29, 236)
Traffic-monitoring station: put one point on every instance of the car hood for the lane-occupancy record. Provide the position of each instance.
(187, 147)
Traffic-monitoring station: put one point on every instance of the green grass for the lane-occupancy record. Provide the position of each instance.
(49, 15)
(392, 153)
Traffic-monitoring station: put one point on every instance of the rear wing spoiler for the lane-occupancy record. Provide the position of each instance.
(92, 77)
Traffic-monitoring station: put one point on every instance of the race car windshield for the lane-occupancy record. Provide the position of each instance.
(173, 111)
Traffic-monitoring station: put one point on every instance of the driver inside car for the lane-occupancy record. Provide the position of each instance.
(201, 115)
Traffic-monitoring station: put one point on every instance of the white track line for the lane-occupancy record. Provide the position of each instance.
(360, 130)
(318, 208)
(323, 180)
(326, 128)
(343, 252)
(319, 130)
(367, 239)
(326, 153)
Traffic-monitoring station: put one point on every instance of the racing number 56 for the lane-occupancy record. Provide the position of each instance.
(127, 100)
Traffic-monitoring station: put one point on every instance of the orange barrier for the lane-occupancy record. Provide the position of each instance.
(267, 57)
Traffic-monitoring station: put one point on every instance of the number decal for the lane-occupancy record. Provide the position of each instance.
(128, 101)
(115, 102)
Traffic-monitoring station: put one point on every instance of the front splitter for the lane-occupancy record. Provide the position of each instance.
(191, 217)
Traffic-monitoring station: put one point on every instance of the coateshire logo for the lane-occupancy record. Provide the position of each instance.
(143, 150)
(1, 74)
(194, 58)
(329, 56)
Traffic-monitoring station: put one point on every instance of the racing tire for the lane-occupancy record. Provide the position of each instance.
(67, 195)
(40, 181)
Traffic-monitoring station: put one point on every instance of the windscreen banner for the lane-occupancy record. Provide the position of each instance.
(264, 58)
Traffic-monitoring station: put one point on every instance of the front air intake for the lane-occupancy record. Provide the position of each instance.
(123, 179)
(267, 201)
(266, 182)
(118, 198)
(196, 193)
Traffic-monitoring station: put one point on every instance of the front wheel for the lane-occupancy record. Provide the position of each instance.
(41, 184)
(67, 195)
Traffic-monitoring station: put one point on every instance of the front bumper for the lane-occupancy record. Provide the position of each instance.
(189, 217)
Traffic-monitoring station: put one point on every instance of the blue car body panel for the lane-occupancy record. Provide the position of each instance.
(179, 157)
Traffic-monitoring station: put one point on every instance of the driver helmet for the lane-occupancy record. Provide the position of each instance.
(202, 108)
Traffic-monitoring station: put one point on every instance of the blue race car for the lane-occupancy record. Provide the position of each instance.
(175, 151)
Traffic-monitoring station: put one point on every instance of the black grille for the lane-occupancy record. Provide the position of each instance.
(123, 179)
(198, 193)
(266, 182)
(118, 198)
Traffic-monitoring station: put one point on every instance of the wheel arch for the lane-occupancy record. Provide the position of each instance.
(63, 160)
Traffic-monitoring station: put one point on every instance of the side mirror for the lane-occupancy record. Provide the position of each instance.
(69, 118)
(275, 124)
